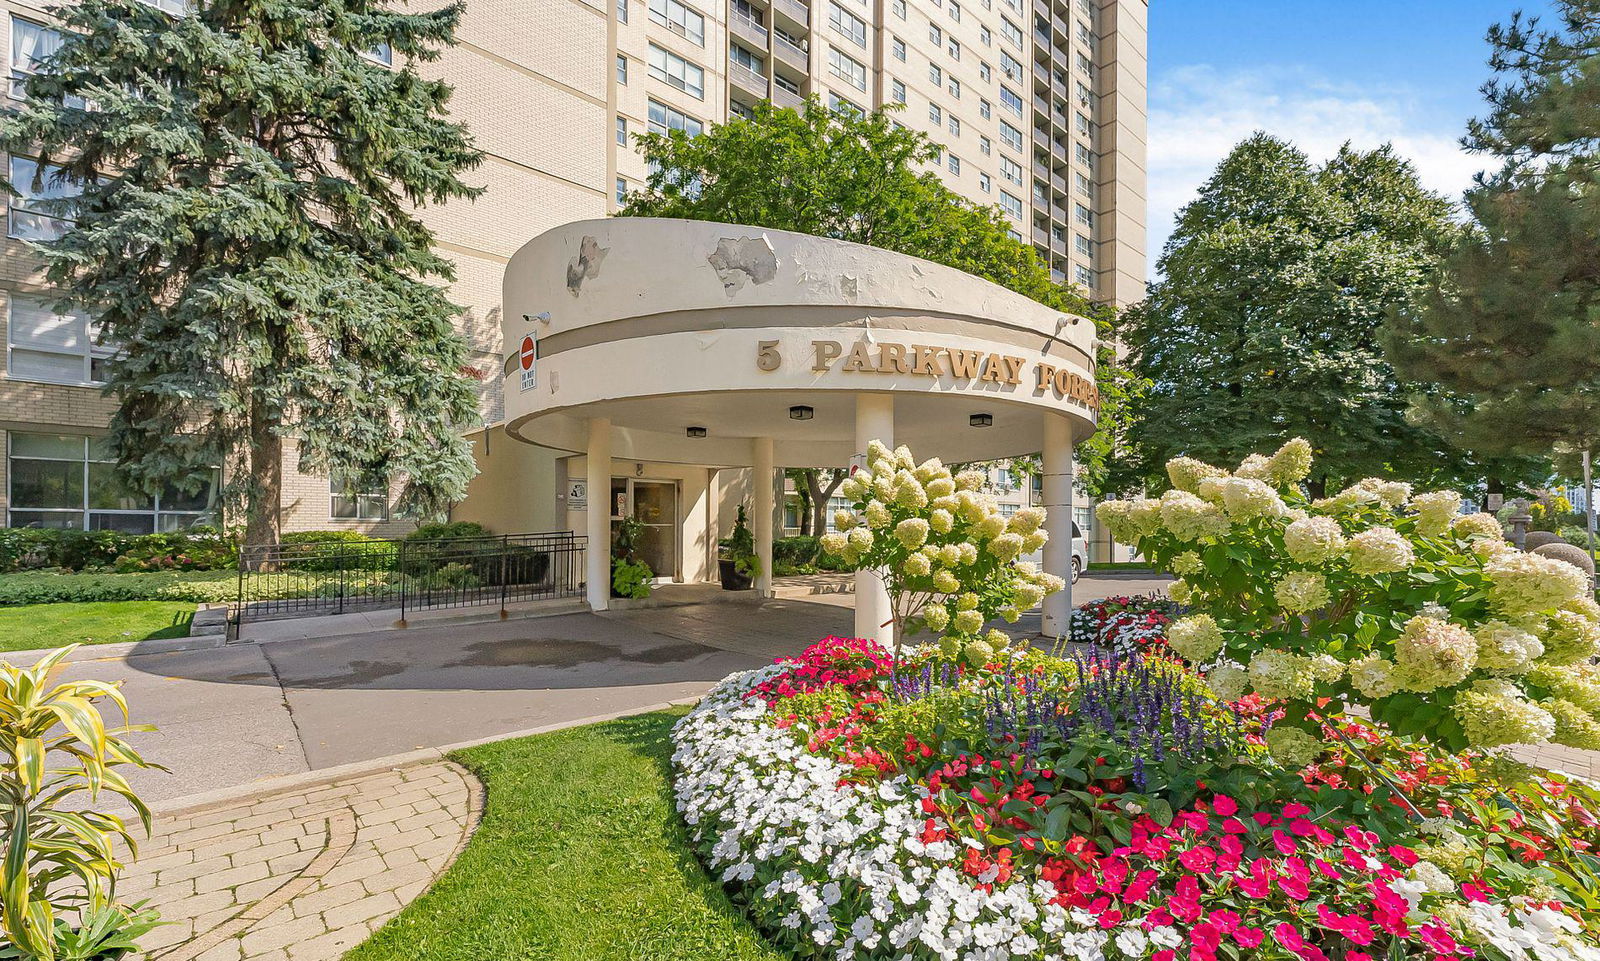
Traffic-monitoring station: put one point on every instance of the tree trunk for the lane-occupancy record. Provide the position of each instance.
(820, 495)
(1317, 487)
(264, 504)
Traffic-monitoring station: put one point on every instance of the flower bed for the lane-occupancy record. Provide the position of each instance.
(1126, 623)
(861, 805)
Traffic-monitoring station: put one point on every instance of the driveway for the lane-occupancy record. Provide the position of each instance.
(242, 713)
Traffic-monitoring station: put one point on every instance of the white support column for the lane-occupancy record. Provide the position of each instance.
(761, 518)
(874, 421)
(597, 521)
(1058, 521)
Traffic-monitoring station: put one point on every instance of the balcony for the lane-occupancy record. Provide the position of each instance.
(794, 10)
(784, 98)
(792, 55)
(1041, 237)
(1041, 171)
(747, 80)
(745, 27)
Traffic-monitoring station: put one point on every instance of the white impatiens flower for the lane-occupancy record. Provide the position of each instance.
(1430, 654)
(1436, 511)
(1312, 540)
(1196, 637)
(1379, 550)
(1526, 583)
(1245, 498)
(1301, 591)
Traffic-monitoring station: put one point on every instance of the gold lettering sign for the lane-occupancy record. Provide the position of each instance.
(935, 361)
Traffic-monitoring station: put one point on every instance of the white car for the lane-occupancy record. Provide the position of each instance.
(1080, 554)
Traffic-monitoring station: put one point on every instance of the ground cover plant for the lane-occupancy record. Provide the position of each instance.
(1125, 622)
(1316, 776)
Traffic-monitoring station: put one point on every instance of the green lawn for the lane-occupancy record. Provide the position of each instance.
(580, 857)
(30, 626)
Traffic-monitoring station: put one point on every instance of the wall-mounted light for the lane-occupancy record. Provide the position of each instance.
(697, 432)
(800, 412)
(981, 420)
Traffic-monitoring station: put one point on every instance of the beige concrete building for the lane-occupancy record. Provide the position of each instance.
(1039, 104)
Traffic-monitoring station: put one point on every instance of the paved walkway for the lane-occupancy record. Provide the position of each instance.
(304, 875)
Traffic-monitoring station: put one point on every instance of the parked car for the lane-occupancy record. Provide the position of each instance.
(1080, 554)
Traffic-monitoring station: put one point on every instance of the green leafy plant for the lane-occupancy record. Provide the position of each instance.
(740, 547)
(630, 578)
(60, 856)
(103, 933)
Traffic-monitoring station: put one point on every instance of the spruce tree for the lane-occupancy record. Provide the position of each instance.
(1511, 326)
(1277, 281)
(246, 235)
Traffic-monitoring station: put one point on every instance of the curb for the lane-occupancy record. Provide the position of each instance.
(194, 803)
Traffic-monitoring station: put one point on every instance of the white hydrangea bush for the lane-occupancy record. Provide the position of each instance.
(1375, 597)
(949, 559)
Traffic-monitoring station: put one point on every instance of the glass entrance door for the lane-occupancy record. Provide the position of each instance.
(655, 505)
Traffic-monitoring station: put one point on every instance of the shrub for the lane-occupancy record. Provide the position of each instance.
(796, 551)
(193, 549)
(630, 578)
(336, 550)
(62, 856)
(448, 530)
(43, 587)
(23, 548)
(740, 547)
(1373, 598)
(1125, 623)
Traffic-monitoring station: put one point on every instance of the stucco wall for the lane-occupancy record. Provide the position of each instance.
(697, 509)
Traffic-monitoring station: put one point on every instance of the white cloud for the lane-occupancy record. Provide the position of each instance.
(1199, 113)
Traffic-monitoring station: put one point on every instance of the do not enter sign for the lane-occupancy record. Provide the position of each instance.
(528, 358)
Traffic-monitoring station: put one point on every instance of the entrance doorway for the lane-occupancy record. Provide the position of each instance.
(654, 504)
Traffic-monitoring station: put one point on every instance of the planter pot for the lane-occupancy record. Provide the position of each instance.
(732, 580)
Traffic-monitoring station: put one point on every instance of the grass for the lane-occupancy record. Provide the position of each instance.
(1120, 566)
(580, 857)
(31, 626)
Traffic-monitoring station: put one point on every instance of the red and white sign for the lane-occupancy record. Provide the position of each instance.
(528, 358)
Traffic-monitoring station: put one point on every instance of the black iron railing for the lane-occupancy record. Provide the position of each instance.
(306, 580)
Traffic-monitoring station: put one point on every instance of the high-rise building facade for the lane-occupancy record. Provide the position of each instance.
(1039, 107)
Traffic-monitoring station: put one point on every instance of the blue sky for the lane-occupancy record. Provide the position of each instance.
(1317, 72)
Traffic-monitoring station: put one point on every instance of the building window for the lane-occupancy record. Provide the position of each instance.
(935, 115)
(898, 47)
(1010, 66)
(1085, 276)
(1011, 101)
(672, 69)
(681, 20)
(985, 36)
(1011, 32)
(848, 24)
(1086, 7)
(1010, 136)
(955, 88)
(955, 12)
(985, 145)
(1011, 205)
(1085, 127)
(622, 70)
(984, 73)
(847, 69)
(622, 11)
(954, 163)
(839, 104)
(41, 209)
(786, 83)
(178, 8)
(1084, 215)
(622, 190)
(985, 109)
(935, 75)
(1041, 194)
(1086, 36)
(1084, 154)
(897, 90)
(622, 131)
(50, 346)
(899, 7)
(955, 125)
(31, 44)
(935, 35)
(346, 502)
(1011, 170)
(1085, 95)
(746, 59)
(66, 481)
(954, 48)
(1085, 65)
(664, 120)
(1084, 246)
(985, 184)
(1083, 185)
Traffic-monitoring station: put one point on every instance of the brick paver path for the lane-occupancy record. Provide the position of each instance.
(303, 875)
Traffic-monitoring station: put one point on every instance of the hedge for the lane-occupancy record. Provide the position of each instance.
(44, 587)
(197, 548)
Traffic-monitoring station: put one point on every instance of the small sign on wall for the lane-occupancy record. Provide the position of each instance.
(528, 360)
(577, 495)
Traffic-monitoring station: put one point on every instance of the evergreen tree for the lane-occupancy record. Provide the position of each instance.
(1511, 327)
(1265, 326)
(855, 177)
(245, 234)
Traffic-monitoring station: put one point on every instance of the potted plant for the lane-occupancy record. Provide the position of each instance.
(630, 576)
(737, 563)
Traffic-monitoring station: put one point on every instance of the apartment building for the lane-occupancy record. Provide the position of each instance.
(1039, 106)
